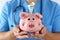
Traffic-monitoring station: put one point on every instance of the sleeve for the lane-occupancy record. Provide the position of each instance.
(4, 18)
(56, 22)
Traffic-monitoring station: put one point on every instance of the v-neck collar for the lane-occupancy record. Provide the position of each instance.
(36, 7)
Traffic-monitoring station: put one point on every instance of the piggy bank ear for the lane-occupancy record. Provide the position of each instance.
(38, 15)
(23, 15)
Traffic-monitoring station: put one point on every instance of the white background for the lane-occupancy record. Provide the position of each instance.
(3, 1)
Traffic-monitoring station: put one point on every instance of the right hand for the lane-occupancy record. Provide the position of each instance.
(18, 33)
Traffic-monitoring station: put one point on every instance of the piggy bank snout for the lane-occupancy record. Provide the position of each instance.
(31, 26)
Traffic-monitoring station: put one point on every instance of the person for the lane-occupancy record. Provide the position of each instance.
(51, 20)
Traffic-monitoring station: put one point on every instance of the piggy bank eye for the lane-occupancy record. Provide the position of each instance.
(28, 18)
(33, 18)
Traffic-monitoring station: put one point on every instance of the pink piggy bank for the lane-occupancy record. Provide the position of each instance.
(30, 22)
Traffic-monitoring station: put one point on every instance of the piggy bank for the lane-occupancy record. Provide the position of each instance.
(30, 22)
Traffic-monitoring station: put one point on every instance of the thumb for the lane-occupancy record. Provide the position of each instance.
(16, 28)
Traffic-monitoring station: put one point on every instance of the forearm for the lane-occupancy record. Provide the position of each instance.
(7, 36)
(52, 36)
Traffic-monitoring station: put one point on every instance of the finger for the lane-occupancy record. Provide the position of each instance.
(31, 35)
(36, 34)
(23, 33)
(20, 34)
(24, 36)
(43, 32)
(16, 29)
(16, 34)
(40, 32)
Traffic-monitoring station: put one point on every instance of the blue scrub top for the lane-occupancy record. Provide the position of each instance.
(50, 12)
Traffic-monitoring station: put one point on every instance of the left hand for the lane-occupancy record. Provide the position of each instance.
(40, 34)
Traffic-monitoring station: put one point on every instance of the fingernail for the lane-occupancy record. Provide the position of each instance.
(27, 36)
(18, 31)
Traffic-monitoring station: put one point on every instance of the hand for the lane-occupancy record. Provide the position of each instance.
(40, 34)
(18, 33)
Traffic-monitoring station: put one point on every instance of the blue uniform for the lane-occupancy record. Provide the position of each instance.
(50, 12)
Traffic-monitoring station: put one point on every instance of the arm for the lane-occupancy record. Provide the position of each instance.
(5, 33)
(52, 36)
(45, 35)
(55, 34)
(7, 36)
(13, 34)
(56, 26)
